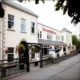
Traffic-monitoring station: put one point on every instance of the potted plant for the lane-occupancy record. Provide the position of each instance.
(21, 50)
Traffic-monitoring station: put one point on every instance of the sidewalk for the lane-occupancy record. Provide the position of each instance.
(46, 72)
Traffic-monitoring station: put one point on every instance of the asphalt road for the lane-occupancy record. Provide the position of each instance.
(65, 70)
(70, 73)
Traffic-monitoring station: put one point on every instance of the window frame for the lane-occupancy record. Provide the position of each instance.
(12, 21)
(10, 52)
(23, 25)
(49, 36)
(32, 27)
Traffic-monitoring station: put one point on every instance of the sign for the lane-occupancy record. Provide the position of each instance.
(50, 31)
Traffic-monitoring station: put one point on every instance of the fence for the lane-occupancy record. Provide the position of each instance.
(16, 68)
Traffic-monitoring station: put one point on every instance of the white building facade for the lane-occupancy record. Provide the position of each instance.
(20, 24)
(53, 37)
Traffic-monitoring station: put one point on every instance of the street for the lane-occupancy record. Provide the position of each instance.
(65, 70)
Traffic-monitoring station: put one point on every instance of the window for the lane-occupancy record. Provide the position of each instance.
(40, 34)
(57, 37)
(33, 55)
(10, 57)
(64, 49)
(10, 50)
(49, 36)
(10, 54)
(10, 21)
(23, 25)
(32, 27)
(62, 38)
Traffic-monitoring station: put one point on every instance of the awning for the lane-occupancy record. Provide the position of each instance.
(49, 42)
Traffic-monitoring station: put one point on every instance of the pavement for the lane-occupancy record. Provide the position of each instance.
(66, 70)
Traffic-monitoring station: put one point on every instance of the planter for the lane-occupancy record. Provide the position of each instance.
(36, 63)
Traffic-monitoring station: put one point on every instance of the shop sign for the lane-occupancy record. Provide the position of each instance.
(50, 31)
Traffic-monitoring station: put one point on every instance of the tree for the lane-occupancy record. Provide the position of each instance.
(74, 40)
(71, 7)
(78, 43)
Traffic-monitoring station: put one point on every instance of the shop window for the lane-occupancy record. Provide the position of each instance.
(33, 55)
(10, 21)
(10, 57)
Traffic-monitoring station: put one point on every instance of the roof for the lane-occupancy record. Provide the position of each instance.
(64, 29)
(49, 42)
(19, 7)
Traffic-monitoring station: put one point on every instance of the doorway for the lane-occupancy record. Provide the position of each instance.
(24, 54)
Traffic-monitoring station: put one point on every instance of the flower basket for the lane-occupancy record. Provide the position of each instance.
(36, 49)
(21, 48)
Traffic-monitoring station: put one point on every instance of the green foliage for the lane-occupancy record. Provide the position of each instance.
(78, 43)
(21, 48)
(71, 7)
(74, 40)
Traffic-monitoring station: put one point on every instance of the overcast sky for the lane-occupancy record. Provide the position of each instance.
(48, 16)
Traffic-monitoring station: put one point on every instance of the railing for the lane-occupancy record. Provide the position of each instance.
(15, 68)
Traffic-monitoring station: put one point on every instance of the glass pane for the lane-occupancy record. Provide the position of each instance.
(10, 17)
(23, 25)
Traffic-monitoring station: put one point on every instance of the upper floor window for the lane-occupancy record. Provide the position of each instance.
(32, 27)
(23, 25)
(10, 21)
(49, 36)
(40, 34)
(62, 38)
(57, 37)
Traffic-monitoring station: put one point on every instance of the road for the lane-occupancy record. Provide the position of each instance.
(65, 70)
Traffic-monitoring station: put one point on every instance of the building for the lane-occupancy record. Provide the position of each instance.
(51, 37)
(20, 26)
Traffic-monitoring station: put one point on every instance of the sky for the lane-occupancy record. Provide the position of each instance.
(50, 17)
